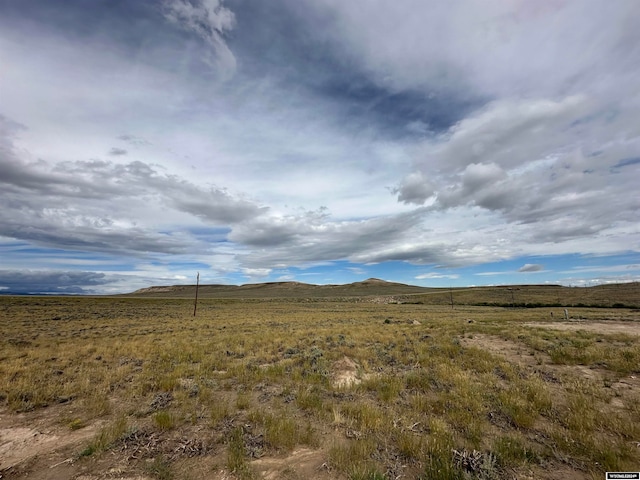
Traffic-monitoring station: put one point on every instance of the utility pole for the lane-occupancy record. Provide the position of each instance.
(195, 304)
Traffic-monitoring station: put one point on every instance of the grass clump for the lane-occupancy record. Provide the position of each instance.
(353, 458)
(106, 437)
(76, 424)
(160, 468)
(237, 456)
(386, 387)
(439, 462)
(310, 399)
(164, 420)
(281, 432)
(218, 411)
(512, 449)
(243, 401)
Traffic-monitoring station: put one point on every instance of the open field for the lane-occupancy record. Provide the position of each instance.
(137, 388)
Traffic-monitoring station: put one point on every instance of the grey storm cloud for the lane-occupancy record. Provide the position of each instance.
(50, 282)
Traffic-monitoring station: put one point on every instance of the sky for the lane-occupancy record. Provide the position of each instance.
(457, 143)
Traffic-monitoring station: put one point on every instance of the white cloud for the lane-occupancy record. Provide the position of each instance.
(509, 132)
(516, 48)
(256, 273)
(425, 276)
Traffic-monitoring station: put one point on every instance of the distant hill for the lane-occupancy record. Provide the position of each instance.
(380, 291)
(371, 286)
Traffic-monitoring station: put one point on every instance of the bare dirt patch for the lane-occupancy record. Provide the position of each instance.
(559, 471)
(514, 352)
(302, 463)
(520, 354)
(629, 328)
(625, 389)
(20, 442)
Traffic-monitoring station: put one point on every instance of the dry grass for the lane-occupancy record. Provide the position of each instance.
(254, 379)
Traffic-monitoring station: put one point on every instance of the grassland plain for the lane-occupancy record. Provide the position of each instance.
(96, 387)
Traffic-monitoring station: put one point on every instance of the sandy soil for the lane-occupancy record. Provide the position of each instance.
(19, 443)
(38, 438)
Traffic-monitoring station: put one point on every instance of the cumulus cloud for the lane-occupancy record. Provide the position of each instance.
(541, 163)
(415, 188)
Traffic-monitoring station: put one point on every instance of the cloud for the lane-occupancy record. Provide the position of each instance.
(530, 150)
(313, 237)
(357, 270)
(542, 48)
(209, 20)
(626, 162)
(117, 151)
(535, 171)
(256, 273)
(134, 141)
(531, 267)
(52, 282)
(425, 276)
(96, 205)
(414, 188)
(604, 268)
(480, 184)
